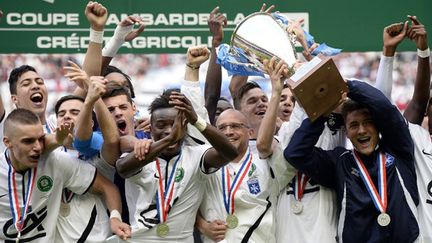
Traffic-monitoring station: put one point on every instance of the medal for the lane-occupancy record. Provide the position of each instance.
(64, 209)
(296, 207)
(229, 189)
(162, 230)
(164, 195)
(379, 197)
(383, 219)
(299, 186)
(19, 213)
(232, 221)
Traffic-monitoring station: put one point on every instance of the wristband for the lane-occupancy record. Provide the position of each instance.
(111, 48)
(200, 124)
(192, 66)
(115, 214)
(424, 53)
(96, 36)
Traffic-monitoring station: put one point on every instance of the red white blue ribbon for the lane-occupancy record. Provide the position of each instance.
(229, 189)
(299, 185)
(19, 213)
(379, 197)
(165, 192)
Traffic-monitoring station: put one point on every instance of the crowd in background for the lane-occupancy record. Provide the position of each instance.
(154, 72)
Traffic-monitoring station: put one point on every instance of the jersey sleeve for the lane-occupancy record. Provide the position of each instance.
(192, 91)
(77, 175)
(283, 171)
(90, 147)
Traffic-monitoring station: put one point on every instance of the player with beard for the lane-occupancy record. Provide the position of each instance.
(183, 169)
(31, 199)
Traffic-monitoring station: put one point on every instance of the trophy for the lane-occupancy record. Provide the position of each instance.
(317, 85)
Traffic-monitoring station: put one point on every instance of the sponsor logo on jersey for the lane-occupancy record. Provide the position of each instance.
(426, 153)
(44, 183)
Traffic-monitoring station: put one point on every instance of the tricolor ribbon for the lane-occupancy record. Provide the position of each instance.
(19, 214)
(299, 185)
(229, 189)
(67, 195)
(379, 198)
(165, 192)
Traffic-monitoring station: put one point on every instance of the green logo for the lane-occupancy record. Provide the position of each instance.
(179, 174)
(45, 183)
(252, 170)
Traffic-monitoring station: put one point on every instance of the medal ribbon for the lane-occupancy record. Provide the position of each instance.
(17, 214)
(299, 185)
(378, 198)
(165, 193)
(67, 195)
(229, 190)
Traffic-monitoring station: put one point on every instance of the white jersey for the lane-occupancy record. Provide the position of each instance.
(189, 188)
(84, 217)
(255, 199)
(55, 171)
(318, 220)
(423, 166)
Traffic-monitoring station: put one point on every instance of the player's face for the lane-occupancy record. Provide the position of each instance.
(123, 113)
(233, 125)
(361, 130)
(25, 145)
(68, 112)
(162, 121)
(254, 105)
(31, 93)
(286, 104)
(222, 105)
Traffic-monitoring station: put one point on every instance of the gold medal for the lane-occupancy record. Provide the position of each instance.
(232, 221)
(64, 209)
(383, 219)
(162, 230)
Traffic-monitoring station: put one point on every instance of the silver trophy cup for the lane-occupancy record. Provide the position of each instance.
(260, 36)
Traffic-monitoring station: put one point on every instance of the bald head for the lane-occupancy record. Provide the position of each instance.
(233, 116)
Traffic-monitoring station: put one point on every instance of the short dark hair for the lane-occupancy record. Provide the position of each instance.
(238, 95)
(115, 89)
(350, 106)
(21, 116)
(162, 101)
(64, 99)
(15, 74)
(113, 69)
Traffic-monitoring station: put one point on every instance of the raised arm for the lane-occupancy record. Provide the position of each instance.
(301, 153)
(387, 118)
(132, 163)
(393, 35)
(212, 88)
(416, 108)
(223, 151)
(265, 140)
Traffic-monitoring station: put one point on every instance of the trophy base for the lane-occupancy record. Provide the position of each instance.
(318, 87)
